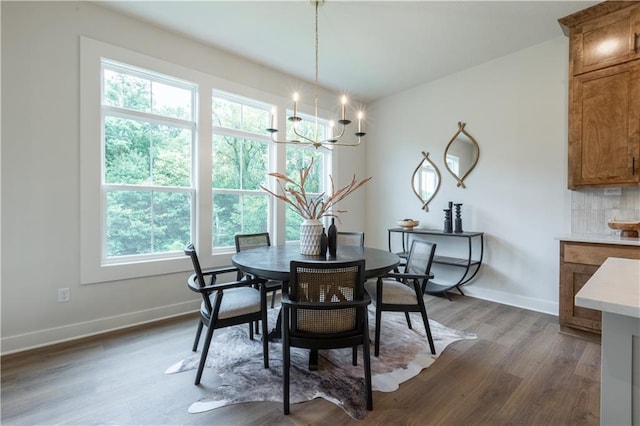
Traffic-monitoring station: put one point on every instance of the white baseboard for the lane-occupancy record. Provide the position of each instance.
(50, 336)
(511, 299)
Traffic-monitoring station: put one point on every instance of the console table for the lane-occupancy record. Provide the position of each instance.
(470, 263)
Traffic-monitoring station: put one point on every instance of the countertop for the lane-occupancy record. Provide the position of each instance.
(601, 239)
(614, 288)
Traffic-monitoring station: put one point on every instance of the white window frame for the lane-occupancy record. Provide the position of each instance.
(92, 267)
(154, 119)
(241, 134)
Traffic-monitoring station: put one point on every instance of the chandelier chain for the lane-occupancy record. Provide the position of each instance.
(333, 139)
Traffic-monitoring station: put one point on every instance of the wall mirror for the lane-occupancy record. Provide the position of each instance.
(425, 181)
(461, 155)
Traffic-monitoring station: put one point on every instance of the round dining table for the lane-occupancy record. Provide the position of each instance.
(273, 262)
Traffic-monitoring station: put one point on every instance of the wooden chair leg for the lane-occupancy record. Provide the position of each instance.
(198, 332)
(406, 315)
(425, 320)
(354, 356)
(265, 334)
(376, 350)
(366, 355)
(286, 365)
(205, 351)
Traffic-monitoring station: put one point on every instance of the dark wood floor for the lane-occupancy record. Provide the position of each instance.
(520, 371)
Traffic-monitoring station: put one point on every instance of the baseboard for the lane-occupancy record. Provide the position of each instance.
(529, 303)
(51, 336)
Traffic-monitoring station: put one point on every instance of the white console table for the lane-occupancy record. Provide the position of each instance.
(614, 289)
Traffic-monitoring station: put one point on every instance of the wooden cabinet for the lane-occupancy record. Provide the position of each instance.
(605, 39)
(578, 262)
(604, 95)
(604, 127)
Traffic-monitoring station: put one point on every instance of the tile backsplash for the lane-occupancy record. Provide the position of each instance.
(591, 209)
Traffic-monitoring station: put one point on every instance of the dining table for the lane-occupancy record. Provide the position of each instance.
(273, 263)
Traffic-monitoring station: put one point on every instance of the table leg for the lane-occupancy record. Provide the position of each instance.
(276, 332)
(313, 360)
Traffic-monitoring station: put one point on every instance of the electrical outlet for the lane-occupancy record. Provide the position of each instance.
(612, 191)
(64, 295)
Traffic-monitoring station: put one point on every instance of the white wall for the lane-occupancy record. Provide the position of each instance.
(516, 108)
(40, 170)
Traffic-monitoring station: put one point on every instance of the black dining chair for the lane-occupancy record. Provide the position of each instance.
(325, 307)
(226, 304)
(262, 239)
(404, 291)
(351, 239)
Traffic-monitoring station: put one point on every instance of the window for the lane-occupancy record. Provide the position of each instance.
(149, 132)
(240, 161)
(170, 155)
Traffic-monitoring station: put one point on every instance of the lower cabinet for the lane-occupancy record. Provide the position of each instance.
(578, 262)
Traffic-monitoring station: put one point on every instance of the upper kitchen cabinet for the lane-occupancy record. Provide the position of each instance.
(604, 127)
(604, 95)
(604, 35)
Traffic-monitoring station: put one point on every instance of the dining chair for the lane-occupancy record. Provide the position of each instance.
(226, 304)
(325, 307)
(262, 239)
(351, 239)
(404, 291)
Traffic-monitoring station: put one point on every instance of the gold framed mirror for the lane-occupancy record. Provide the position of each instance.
(425, 181)
(461, 155)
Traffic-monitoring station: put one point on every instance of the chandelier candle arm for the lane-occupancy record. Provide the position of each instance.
(332, 139)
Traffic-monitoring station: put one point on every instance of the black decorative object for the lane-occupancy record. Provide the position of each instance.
(324, 242)
(458, 220)
(332, 236)
(448, 223)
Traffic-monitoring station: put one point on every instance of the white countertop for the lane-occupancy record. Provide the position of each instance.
(615, 288)
(601, 239)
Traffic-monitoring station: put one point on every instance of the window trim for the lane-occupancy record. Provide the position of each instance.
(92, 269)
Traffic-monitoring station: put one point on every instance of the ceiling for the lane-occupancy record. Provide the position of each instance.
(369, 49)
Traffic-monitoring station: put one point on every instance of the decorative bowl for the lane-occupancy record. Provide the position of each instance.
(408, 223)
(627, 228)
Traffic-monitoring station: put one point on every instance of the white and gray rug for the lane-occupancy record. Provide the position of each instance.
(235, 365)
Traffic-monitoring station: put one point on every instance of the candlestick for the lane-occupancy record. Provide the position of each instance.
(295, 104)
(344, 111)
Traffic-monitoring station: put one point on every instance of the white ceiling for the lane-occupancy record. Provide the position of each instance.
(369, 49)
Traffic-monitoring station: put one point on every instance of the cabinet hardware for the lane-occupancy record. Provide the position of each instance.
(633, 166)
(635, 42)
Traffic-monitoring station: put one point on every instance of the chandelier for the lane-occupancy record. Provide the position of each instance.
(332, 139)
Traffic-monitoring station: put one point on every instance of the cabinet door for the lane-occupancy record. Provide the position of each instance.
(607, 40)
(604, 127)
(573, 277)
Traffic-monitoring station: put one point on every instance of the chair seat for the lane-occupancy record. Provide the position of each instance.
(236, 302)
(394, 292)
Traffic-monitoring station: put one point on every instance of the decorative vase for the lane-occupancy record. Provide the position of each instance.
(310, 237)
(332, 238)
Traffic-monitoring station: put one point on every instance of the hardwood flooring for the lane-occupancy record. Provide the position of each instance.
(520, 371)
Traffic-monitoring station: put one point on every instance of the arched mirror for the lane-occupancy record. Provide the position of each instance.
(461, 154)
(425, 181)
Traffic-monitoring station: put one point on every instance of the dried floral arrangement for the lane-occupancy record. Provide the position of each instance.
(294, 194)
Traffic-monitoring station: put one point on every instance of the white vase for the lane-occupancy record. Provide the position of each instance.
(310, 236)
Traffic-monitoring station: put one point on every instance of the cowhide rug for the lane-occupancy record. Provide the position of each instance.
(235, 363)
